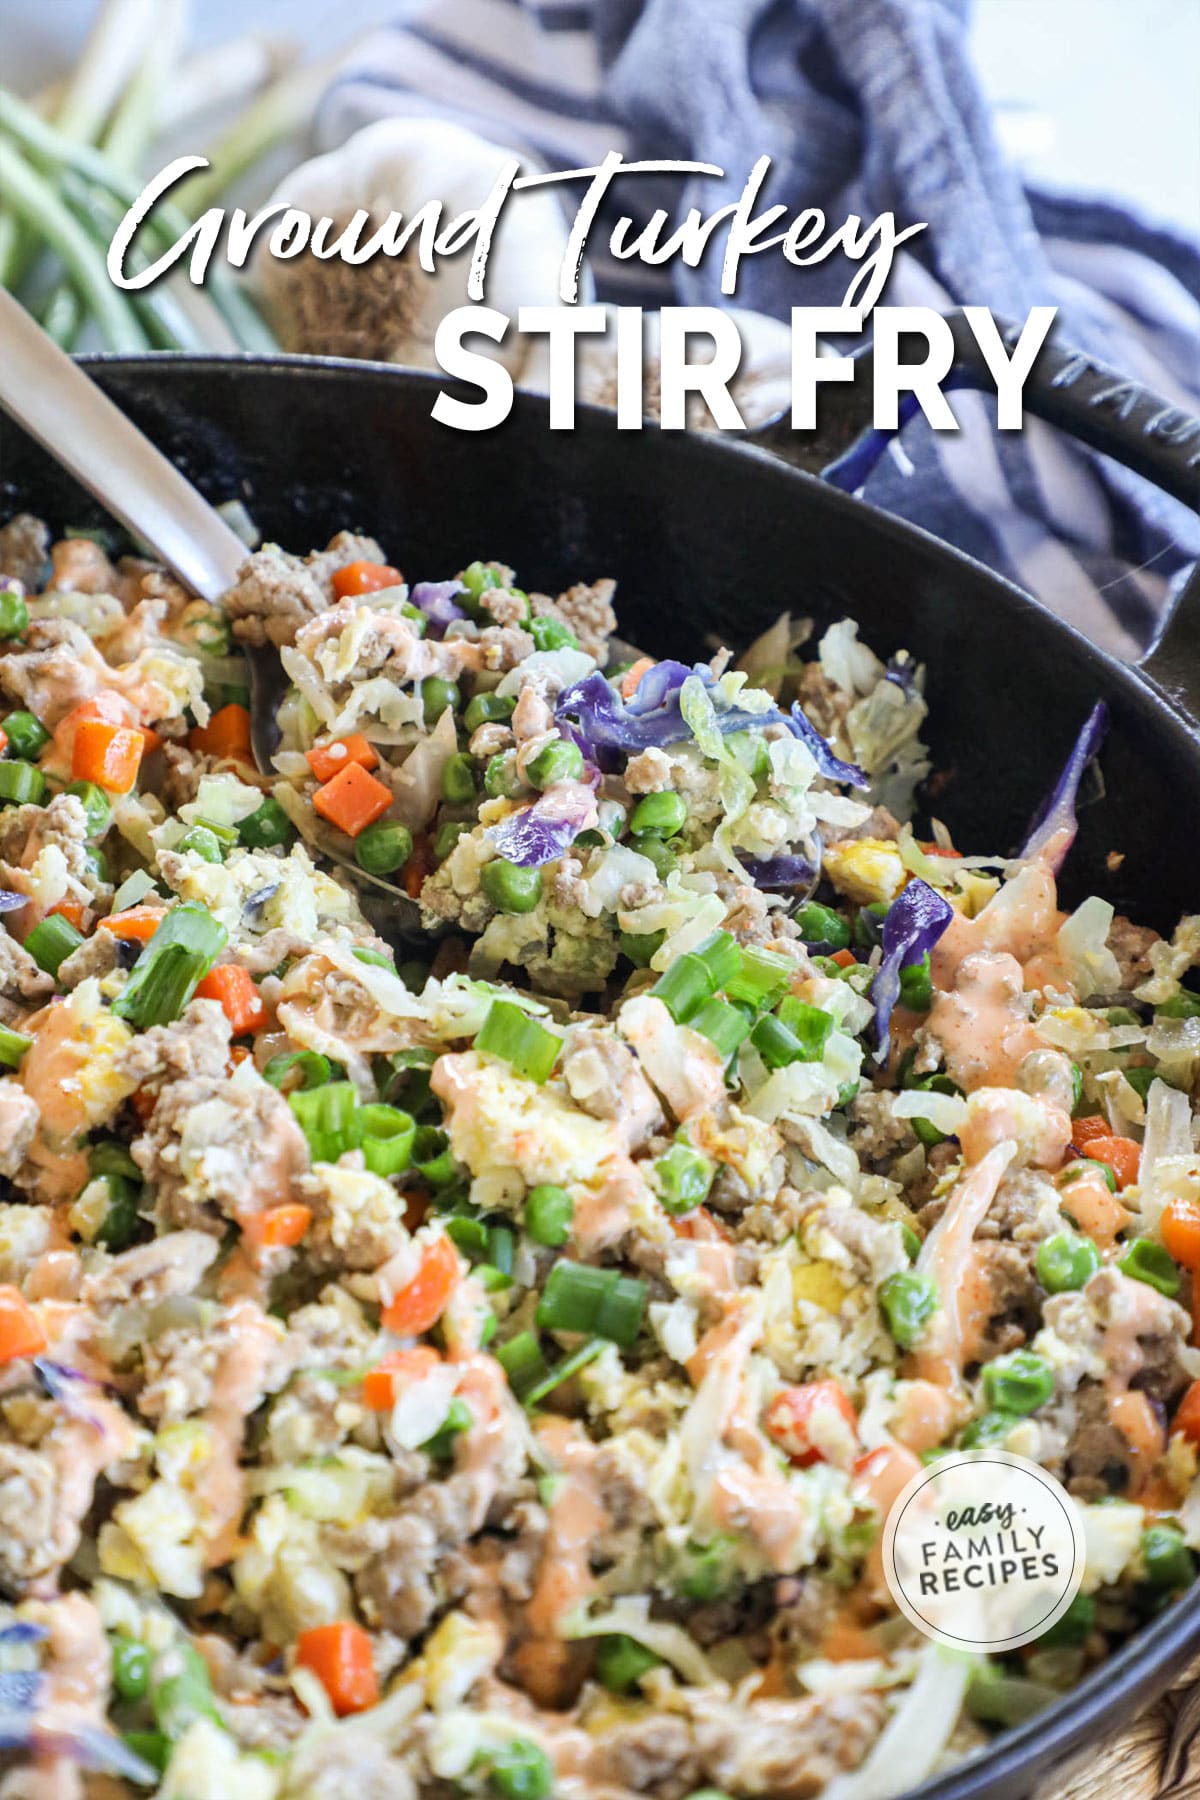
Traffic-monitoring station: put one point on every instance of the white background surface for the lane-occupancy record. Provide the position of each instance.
(1099, 95)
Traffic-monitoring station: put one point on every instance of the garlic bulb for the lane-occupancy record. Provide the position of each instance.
(761, 389)
(388, 307)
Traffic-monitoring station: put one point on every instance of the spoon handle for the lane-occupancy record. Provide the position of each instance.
(56, 403)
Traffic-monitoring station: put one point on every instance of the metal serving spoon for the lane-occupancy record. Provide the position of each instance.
(56, 403)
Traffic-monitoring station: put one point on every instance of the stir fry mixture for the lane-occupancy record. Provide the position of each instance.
(488, 1374)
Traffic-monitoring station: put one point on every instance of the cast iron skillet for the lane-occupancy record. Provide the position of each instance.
(709, 537)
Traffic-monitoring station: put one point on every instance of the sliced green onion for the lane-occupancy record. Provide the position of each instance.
(563, 1370)
(684, 988)
(13, 1045)
(51, 941)
(723, 1025)
(174, 962)
(459, 1418)
(522, 1361)
(14, 614)
(21, 784)
(510, 1034)
(500, 1248)
(122, 1219)
(682, 1178)
(916, 986)
(549, 1213)
(432, 1156)
(328, 1117)
(181, 1690)
(266, 828)
(468, 1233)
(808, 1024)
(387, 1138)
(762, 978)
(27, 736)
(721, 955)
(133, 889)
(601, 1302)
(309, 1068)
(819, 924)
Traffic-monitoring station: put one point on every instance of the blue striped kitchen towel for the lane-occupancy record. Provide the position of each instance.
(865, 106)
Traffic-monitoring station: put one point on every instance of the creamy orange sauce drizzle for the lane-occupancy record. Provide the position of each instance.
(50, 1074)
(925, 1414)
(945, 1257)
(981, 1023)
(1095, 1209)
(577, 1516)
(236, 1388)
(1141, 1315)
(879, 1480)
(74, 1691)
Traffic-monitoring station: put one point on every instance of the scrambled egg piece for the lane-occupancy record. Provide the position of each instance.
(500, 1124)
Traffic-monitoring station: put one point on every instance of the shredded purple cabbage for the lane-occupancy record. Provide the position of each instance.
(1053, 830)
(782, 874)
(436, 600)
(830, 766)
(596, 716)
(543, 832)
(915, 921)
(21, 1631)
(69, 1387)
(18, 1689)
(902, 670)
(10, 902)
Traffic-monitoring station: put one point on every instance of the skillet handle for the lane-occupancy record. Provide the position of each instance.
(1085, 398)
(1093, 404)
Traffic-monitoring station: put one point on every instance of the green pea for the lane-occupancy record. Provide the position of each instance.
(521, 1771)
(27, 736)
(662, 813)
(682, 1178)
(446, 836)
(1065, 1262)
(202, 842)
(819, 924)
(509, 887)
(549, 1212)
(120, 1224)
(656, 850)
(1180, 1006)
(458, 780)
(14, 614)
(1018, 1383)
(621, 1662)
(96, 805)
(383, 847)
(266, 828)
(1074, 1628)
(907, 1301)
(1147, 1261)
(751, 751)
(1166, 1559)
(501, 780)
(436, 696)
(868, 925)
(916, 987)
(1142, 1080)
(488, 709)
(415, 617)
(640, 947)
(1076, 1086)
(477, 578)
(989, 1428)
(706, 1571)
(552, 634)
(1091, 1164)
(154, 1747)
(130, 1667)
(559, 760)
